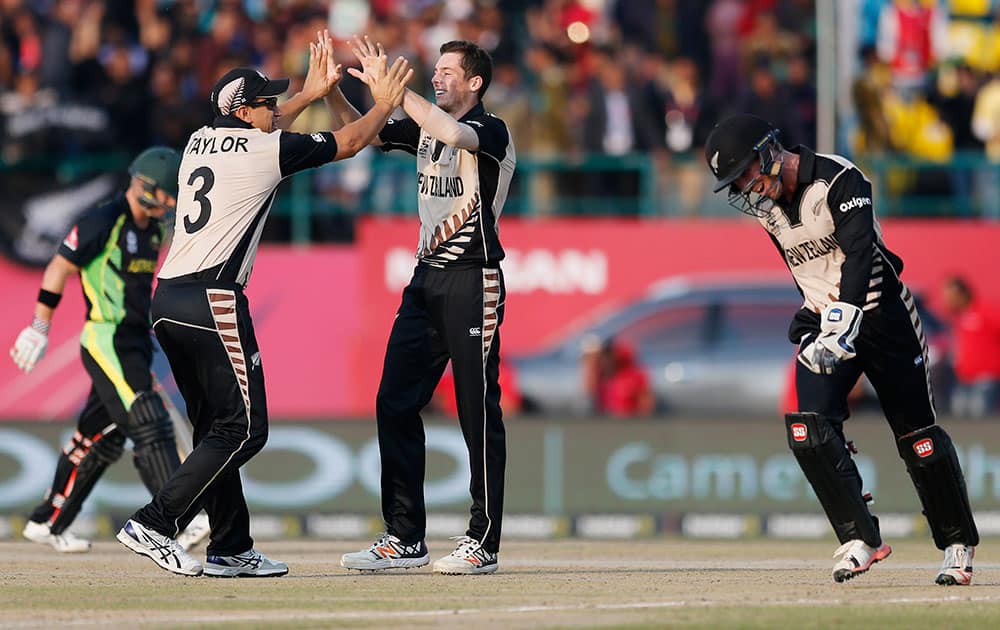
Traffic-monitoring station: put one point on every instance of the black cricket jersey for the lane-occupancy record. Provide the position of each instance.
(460, 193)
(830, 238)
(117, 261)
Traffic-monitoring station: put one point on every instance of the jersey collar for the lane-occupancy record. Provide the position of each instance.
(807, 164)
(477, 110)
(230, 121)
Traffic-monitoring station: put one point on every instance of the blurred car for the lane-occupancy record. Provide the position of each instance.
(715, 347)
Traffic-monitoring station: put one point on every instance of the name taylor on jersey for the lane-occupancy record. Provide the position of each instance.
(207, 146)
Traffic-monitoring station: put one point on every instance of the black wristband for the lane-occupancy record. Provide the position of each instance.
(48, 298)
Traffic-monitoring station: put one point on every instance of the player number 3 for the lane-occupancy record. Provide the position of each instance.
(207, 181)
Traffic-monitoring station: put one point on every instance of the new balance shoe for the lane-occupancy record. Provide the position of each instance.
(957, 567)
(856, 557)
(164, 551)
(63, 543)
(247, 564)
(469, 558)
(387, 552)
(196, 531)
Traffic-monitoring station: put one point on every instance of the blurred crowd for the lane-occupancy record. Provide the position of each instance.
(604, 77)
(929, 88)
(601, 78)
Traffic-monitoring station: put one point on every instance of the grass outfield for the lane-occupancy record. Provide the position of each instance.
(567, 583)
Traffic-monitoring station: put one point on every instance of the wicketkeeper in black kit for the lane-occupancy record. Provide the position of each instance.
(114, 249)
(452, 309)
(858, 318)
(228, 175)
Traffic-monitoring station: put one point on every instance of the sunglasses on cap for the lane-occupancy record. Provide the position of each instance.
(271, 103)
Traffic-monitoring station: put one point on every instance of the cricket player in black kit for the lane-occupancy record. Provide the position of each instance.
(857, 318)
(114, 249)
(228, 176)
(452, 309)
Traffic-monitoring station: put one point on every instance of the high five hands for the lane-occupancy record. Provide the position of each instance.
(324, 72)
(387, 86)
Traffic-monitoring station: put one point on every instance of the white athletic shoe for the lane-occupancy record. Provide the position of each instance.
(856, 557)
(957, 567)
(165, 552)
(387, 552)
(469, 558)
(63, 543)
(196, 531)
(247, 564)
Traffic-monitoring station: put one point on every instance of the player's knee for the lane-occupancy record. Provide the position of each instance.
(109, 448)
(926, 446)
(390, 405)
(257, 440)
(807, 430)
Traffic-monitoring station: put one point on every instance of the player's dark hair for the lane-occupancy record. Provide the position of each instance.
(476, 62)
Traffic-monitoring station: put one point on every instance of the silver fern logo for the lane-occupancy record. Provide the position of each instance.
(231, 96)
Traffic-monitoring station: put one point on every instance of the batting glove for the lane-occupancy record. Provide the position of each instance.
(839, 327)
(30, 345)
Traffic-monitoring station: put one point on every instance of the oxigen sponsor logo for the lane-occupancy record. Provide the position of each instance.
(856, 202)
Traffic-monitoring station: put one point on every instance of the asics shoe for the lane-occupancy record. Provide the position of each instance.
(856, 557)
(387, 552)
(247, 564)
(469, 558)
(165, 552)
(63, 543)
(957, 567)
(196, 531)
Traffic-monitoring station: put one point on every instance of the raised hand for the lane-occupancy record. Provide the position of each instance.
(390, 86)
(324, 73)
(368, 54)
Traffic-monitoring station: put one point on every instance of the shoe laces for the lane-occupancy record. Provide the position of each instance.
(957, 557)
(383, 538)
(466, 546)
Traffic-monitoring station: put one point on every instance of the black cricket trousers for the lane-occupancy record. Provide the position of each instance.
(445, 314)
(207, 335)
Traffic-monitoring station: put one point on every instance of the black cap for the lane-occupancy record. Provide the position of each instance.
(240, 86)
(733, 144)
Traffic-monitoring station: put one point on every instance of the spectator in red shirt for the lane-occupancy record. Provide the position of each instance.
(976, 355)
(617, 384)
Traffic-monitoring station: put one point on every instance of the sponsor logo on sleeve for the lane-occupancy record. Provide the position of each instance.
(72, 239)
(857, 202)
(318, 137)
(924, 448)
(799, 432)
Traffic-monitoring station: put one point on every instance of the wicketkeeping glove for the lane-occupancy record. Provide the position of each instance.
(30, 345)
(839, 326)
